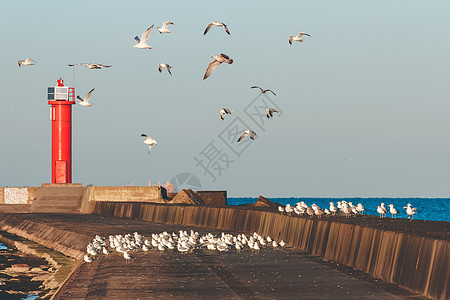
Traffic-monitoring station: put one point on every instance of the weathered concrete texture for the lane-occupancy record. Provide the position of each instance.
(213, 198)
(53, 237)
(280, 274)
(128, 193)
(187, 197)
(58, 199)
(15, 208)
(417, 263)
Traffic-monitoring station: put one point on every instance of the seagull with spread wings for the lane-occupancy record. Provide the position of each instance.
(164, 28)
(270, 111)
(142, 42)
(218, 59)
(167, 66)
(250, 133)
(262, 90)
(298, 38)
(149, 141)
(91, 66)
(85, 101)
(27, 62)
(223, 112)
(216, 23)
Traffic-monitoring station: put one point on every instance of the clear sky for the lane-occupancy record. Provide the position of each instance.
(365, 101)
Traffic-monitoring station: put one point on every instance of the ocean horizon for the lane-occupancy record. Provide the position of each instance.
(432, 209)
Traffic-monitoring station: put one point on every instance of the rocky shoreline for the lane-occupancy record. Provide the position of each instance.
(29, 270)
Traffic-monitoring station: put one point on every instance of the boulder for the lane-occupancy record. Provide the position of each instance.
(187, 196)
(264, 202)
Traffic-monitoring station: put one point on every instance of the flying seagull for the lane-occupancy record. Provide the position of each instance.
(167, 66)
(142, 42)
(164, 28)
(270, 111)
(91, 66)
(250, 133)
(223, 112)
(218, 59)
(298, 37)
(216, 23)
(85, 101)
(27, 62)
(262, 90)
(149, 141)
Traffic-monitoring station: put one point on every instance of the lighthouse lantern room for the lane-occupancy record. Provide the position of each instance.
(61, 98)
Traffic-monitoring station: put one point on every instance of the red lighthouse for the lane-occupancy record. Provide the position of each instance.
(61, 98)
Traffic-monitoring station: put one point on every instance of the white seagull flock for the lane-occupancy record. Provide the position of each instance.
(343, 207)
(181, 242)
(142, 43)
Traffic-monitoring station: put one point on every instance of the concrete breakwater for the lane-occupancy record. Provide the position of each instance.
(414, 262)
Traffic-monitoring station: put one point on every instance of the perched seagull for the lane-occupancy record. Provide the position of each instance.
(149, 141)
(360, 208)
(270, 111)
(167, 66)
(297, 38)
(218, 59)
(250, 133)
(216, 23)
(262, 90)
(91, 66)
(410, 211)
(142, 42)
(164, 28)
(27, 62)
(381, 211)
(224, 111)
(85, 101)
(392, 210)
(88, 259)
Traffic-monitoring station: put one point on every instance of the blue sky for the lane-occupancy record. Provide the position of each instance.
(365, 100)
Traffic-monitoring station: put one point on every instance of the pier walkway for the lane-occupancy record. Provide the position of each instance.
(270, 274)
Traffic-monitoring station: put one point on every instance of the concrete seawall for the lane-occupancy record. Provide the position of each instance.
(417, 263)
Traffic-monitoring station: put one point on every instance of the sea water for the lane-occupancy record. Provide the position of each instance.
(434, 209)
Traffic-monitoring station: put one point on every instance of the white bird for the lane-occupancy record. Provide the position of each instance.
(410, 211)
(218, 60)
(392, 210)
(91, 66)
(216, 23)
(224, 111)
(127, 256)
(263, 91)
(85, 101)
(88, 259)
(270, 111)
(250, 133)
(167, 66)
(280, 209)
(164, 28)
(333, 208)
(142, 42)
(282, 243)
(360, 208)
(381, 211)
(298, 38)
(149, 141)
(289, 209)
(27, 62)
